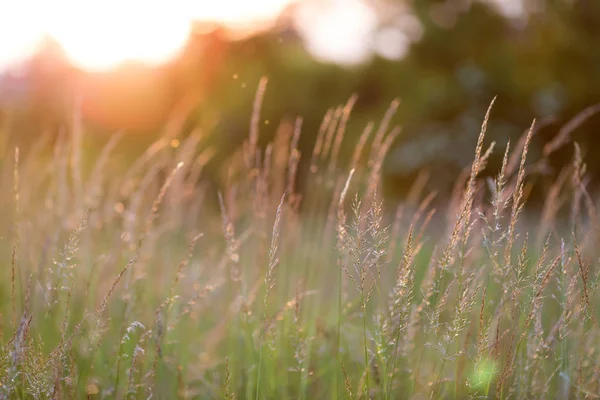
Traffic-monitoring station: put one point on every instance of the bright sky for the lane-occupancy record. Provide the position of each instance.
(99, 35)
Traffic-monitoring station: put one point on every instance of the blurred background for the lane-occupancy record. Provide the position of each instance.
(144, 68)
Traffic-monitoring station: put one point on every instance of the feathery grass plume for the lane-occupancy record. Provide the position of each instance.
(518, 278)
(13, 277)
(542, 277)
(341, 249)
(580, 191)
(159, 318)
(252, 155)
(538, 350)
(179, 275)
(301, 344)
(65, 322)
(231, 241)
(318, 147)
(332, 212)
(379, 234)
(366, 246)
(584, 270)
(100, 310)
(377, 163)
(517, 205)
(483, 368)
(341, 212)
(438, 285)
(61, 286)
(158, 331)
(519, 282)
(577, 180)
(77, 330)
(382, 130)
(341, 131)
(466, 300)
(456, 198)
(353, 241)
(15, 246)
(515, 158)
(293, 162)
(270, 277)
(477, 328)
(469, 194)
(36, 377)
(347, 383)
(401, 299)
(154, 212)
(16, 359)
(436, 327)
(157, 203)
(270, 280)
(229, 395)
(331, 131)
(133, 373)
(378, 336)
(492, 237)
(261, 194)
(356, 240)
(467, 288)
(63, 274)
(126, 339)
(282, 151)
(565, 288)
(413, 196)
(362, 141)
(486, 156)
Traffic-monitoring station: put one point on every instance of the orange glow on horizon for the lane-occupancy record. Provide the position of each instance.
(101, 35)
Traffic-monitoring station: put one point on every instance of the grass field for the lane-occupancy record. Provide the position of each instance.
(141, 279)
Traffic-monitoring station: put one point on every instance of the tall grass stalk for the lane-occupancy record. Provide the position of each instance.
(270, 280)
(294, 291)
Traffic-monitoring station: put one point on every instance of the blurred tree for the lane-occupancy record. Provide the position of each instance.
(541, 61)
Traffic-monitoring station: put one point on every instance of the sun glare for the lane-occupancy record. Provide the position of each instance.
(20, 32)
(100, 35)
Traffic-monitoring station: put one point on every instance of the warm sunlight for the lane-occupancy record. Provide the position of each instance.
(101, 35)
(20, 31)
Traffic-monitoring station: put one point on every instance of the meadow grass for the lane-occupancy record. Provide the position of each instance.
(143, 280)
